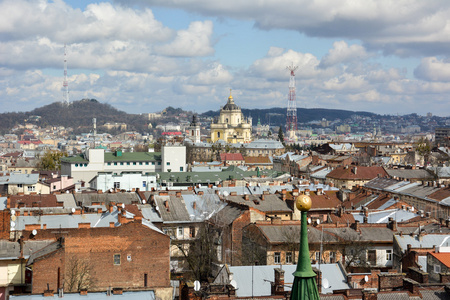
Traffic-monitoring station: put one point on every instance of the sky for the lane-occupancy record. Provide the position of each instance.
(140, 56)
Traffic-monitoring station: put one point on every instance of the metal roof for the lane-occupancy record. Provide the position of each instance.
(256, 280)
(383, 216)
(426, 241)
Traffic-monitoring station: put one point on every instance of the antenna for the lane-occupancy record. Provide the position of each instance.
(94, 123)
(291, 117)
(65, 82)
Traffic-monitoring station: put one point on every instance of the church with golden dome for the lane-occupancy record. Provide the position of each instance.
(231, 126)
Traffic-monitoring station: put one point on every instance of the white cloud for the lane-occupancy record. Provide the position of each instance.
(343, 53)
(195, 41)
(402, 27)
(433, 69)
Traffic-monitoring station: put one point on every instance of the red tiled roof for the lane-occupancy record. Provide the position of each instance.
(357, 173)
(328, 200)
(443, 258)
(231, 156)
(44, 200)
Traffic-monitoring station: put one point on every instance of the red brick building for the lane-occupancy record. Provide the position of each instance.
(133, 256)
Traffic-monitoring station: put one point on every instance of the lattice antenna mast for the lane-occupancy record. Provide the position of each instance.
(291, 119)
(65, 82)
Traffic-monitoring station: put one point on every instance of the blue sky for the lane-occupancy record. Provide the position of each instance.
(141, 56)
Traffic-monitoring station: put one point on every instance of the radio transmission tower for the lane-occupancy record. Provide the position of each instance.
(291, 118)
(65, 82)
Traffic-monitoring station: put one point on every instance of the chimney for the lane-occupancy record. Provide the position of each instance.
(83, 292)
(319, 191)
(246, 197)
(178, 194)
(262, 197)
(278, 287)
(194, 205)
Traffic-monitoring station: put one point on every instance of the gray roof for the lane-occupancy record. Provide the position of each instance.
(383, 216)
(44, 251)
(262, 276)
(86, 199)
(9, 250)
(176, 211)
(393, 296)
(68, 200)
(410, 174)
(205, 205)
(271, 203)
(440, 294)
(16, 178)
(381, 183)
(67, 221)
(426, 241)
(264, 144)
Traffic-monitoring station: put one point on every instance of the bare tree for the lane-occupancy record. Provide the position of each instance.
(78, 274)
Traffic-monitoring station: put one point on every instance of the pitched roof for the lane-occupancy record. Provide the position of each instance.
(257, 160)
(231, 156)
(357, 173)
(326, 200)
(444, 258)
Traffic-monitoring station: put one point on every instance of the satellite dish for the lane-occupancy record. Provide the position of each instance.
(317, 221)
(123, 205)
(309, 220)
(13, 212)
(233, 284)
(34, 232)
(13, 218)
(366, 278)
(197, 285)
(73, 210)
(225, 193)
(13, 224)
(325, 283)
(199, 186)
(143, 201)
(412, 208)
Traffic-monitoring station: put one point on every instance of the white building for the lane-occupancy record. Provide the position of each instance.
(86, 166)
(125, 181)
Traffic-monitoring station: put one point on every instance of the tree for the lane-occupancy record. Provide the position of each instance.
(280, 135)
(51, 160)
(78, 274)
(201, 253)
(423, 148)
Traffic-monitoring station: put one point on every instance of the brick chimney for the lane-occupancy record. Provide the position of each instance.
(278, 286)
(246, 197)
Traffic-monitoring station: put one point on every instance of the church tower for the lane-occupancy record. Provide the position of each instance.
(194, 130)
(231, 126)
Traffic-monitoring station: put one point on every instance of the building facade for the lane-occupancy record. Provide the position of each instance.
(231, 126)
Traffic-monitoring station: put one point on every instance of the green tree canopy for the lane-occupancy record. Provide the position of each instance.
(51, 160)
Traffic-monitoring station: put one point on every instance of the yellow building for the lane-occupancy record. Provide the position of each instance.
(231, 126)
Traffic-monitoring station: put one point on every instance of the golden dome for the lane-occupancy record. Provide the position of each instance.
(303, 203)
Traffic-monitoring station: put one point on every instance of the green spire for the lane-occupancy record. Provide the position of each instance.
(304, 287)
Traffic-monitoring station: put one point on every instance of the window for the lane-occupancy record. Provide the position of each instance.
(147, 163)
(289, 257)
(153, 163)
(145, 279)
(117, 185)
(19, 185)
(121, 163)
(85, 165)
(128, 163)
(168, 163)
(218, 134)
(144, 184)
(116, 259)
(109, 164)
(437, 268)
(318, 256)
(140, 163)
(115, 163)
(159, 163)
(277, 257)
(76, 165)
(31, 188)
(192, 232)
(181, 169)
(388, 254)
(332, 257)
(180, 232)
(134, 163)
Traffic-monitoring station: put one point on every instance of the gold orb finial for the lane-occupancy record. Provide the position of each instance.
(231, 97)
(303, 203)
